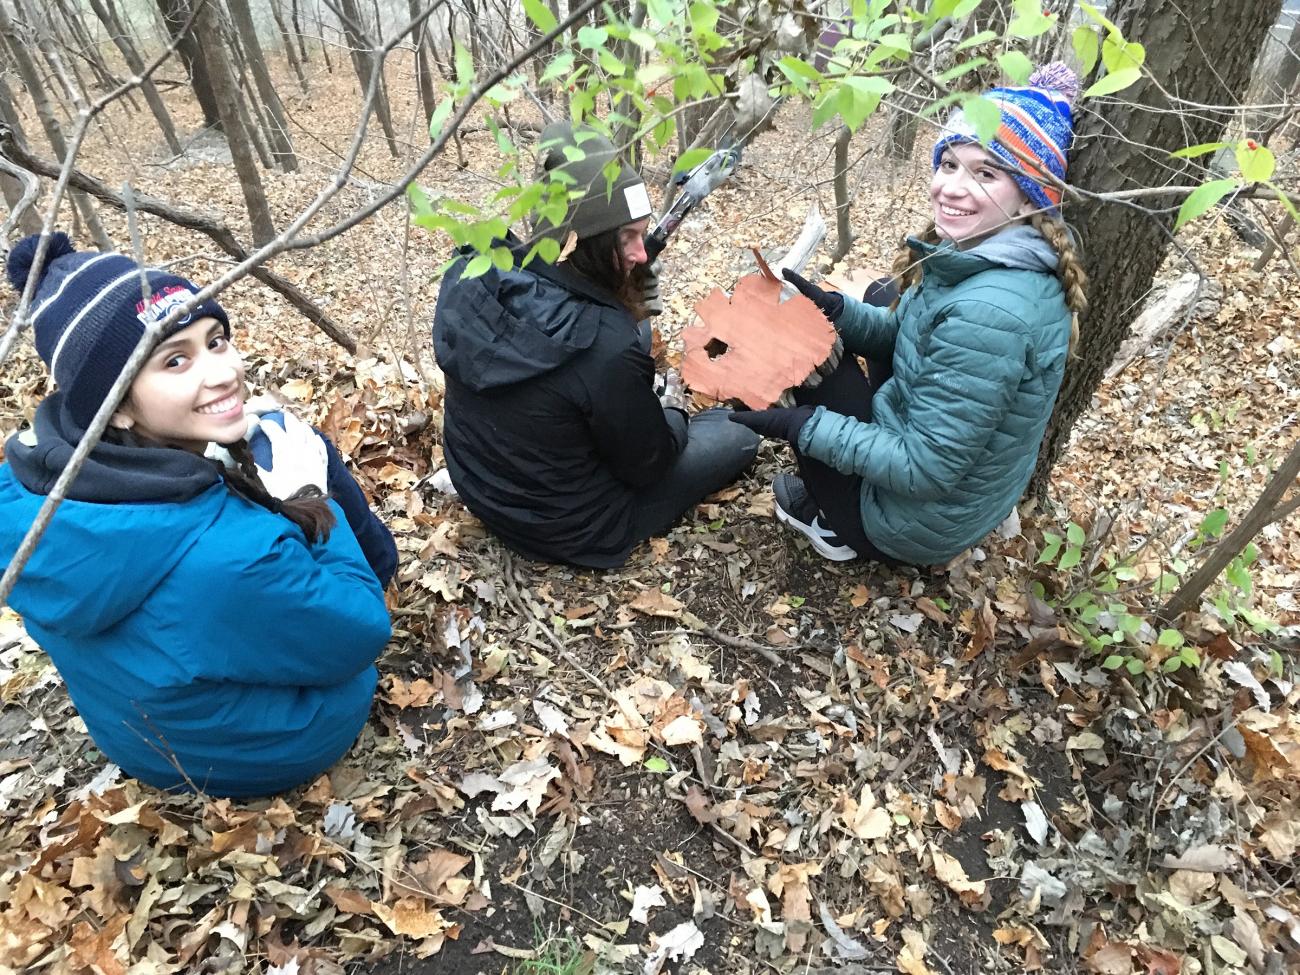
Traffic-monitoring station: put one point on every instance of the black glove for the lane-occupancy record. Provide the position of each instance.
(777, 424)
(831, 303)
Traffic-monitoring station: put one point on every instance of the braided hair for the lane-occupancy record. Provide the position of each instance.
(308, 508)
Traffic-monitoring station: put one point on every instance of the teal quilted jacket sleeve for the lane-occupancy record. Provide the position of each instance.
(868, 330)
(946, 412)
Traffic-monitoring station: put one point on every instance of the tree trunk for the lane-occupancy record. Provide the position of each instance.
(297, 32)
(29, 222)
(87, 47)
(843, 225)
(1190, 53)
(222, 80)
(278, 125)
(149, 89)
(175, 13)
(36, 90)
(363, 60)
(290, 50)
(1288, 70)
(422, 72)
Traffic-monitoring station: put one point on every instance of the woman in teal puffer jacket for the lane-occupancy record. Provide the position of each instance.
(925, 455)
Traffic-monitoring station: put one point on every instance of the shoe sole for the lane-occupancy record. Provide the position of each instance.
(832, 553)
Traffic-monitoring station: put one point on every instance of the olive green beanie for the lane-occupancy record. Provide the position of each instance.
(582, 154)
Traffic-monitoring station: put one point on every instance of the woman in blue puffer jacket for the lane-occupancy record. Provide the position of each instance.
(929, 452)
(216, 622)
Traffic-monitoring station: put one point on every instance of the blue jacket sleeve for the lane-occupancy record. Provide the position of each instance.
(293, 613)
(968, 379)
(868, 330)
(374, 538)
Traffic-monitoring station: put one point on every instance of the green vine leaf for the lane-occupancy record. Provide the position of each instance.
(1202, 198)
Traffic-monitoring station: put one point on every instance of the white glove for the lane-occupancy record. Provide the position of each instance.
(672, 395)
(298, 458)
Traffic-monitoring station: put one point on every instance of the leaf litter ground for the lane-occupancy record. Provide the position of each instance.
(728, 756)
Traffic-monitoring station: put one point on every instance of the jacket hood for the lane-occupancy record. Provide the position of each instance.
(507, 326)
(96, 563)
(112, 473)
(1019, 247)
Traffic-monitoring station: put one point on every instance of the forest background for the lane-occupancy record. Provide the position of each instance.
(1074, 748)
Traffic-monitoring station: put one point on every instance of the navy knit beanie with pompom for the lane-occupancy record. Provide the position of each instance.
(88, 313)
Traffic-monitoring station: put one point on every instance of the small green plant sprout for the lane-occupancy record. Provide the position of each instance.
(563, 955)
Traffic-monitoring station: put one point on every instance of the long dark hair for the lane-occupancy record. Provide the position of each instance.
(599, 259)
(308, 509)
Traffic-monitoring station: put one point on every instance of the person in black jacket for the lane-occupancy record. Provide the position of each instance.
(553, 433)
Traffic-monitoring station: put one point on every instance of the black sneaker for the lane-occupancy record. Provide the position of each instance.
(796, 508)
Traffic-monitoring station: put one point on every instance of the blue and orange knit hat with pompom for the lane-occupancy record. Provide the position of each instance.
(1034, 132)
(89, 311)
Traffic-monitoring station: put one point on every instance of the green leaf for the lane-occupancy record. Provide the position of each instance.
(984, 115)
(1134, 666)
(592, 37)
(1030, 21)
(502, 258)
(1191, 152)
(1099, 17)
(1256, 164)
(704, 16)
(660, 11)
(1087, 48)
(540, 15)
(1202, 198)
(560, 65)
(464, 66)
(546, 248)
(1016, 66)
(1075, 534)
(690, 159)
(477, 266)
(1113, 82)
(656, 763)
(1189, 656)
(797, 601)
(1112, 662)
(1073, 555)
(1172, 664)
(1170, 638)
(1049, 553)
(965, 67)
(975, 40)
(1212, 525)
(1118, 54)
(439, 118)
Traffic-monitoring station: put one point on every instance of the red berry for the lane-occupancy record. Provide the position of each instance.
(1252, 145)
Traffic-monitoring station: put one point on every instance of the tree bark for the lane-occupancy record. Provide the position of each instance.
(277, 124)
(28, 221)
(207, 30)
(1190, 53)
(363, 60)
(87, 48)
(843, 225)
(175, 13)
(290, 49)
(422, 72)
(147, 87)
(1289, 68)
(36, 90)
(1267, 509)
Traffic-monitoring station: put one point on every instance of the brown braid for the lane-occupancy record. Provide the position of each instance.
(1069, 269)
(307, 509)
(906, 270)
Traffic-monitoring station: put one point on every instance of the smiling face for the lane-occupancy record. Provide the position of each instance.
(190, 391)
(973, 195)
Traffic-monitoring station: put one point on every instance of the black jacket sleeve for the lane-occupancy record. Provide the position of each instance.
(376, 541)
(634, 434)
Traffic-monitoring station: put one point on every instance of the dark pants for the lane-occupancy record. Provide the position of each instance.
(717, 452)
(846, 391)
